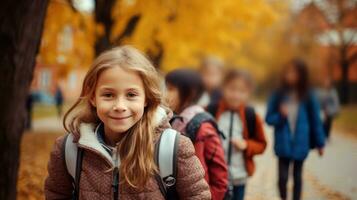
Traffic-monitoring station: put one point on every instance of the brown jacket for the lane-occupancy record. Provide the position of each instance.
(95, 180)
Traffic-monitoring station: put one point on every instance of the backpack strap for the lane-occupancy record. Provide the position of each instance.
(195, 123)
(251, 121)
(230, 134)
(166, 159)
(212, 108)
(70, 154)
(73, 160)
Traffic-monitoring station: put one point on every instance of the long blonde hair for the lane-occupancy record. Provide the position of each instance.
(136, 148)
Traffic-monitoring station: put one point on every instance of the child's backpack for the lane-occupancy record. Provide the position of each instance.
(165, 157)
(195, 123)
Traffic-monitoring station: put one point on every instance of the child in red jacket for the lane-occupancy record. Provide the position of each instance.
(184, 88)
(242, 129)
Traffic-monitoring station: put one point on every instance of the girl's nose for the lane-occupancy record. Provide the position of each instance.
(119, 105)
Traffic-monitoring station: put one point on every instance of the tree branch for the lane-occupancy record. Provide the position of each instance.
(129, 29)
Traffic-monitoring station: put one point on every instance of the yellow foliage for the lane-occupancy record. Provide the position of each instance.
(239, 31)
(188, 30)
(68, 38)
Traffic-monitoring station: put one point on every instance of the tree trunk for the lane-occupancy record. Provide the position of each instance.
(157, 54)
(344, 64)
(103, 16)
(345, 90)
(21, 25)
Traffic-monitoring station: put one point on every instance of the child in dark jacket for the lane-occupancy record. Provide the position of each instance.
(242, 129)
(184, 88)
(293, 111)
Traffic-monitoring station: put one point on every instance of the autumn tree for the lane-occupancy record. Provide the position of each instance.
(68, 38)
(21, 24)
(328, 25)
(342, 36)
(180, 33)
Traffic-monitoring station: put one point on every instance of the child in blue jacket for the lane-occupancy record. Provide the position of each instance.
(293, 111)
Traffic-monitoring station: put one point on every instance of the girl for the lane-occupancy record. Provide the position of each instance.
(293, 110)
(117, 121)
(184, 88)
(242, 128)
(211, 70)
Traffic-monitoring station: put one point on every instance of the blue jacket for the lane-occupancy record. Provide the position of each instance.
(296, 146)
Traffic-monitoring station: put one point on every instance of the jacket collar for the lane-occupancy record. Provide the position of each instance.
(222, 107)
(88, 137)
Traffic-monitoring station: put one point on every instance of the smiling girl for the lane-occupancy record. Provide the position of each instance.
(116, 123)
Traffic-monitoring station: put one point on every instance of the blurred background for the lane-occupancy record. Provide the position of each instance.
(259, 36)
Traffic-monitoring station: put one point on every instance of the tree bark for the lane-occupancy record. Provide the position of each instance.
(103, 16)
(345, 90)
(157, 54)
(21, 25)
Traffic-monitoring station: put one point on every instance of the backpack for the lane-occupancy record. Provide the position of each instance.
(195, 123)
(165, 157)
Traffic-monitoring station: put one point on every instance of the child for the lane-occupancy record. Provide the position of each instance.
(212, 72)
(184, 87)
(242, 128)
(293, 110)
(116, 122)
(330, 104)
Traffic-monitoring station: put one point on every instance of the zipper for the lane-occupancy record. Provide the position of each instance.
(115, 175)
(115, 182)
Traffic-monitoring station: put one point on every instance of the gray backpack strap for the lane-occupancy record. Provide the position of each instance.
(70, 154)
(73, 157)
(166, 159)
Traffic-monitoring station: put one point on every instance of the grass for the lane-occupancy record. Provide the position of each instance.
(41, 111)
(346, 120)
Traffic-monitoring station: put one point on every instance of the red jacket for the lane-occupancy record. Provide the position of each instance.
(255, 145)
(211, 154)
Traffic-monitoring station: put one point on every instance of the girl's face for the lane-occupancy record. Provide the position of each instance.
(327, 82)
(291, 76)
(172, 97)
(212, 77)
(236, 92)
(119, 99)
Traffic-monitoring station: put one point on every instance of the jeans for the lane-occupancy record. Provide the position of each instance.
(238, 192)
(283, 171)
(327, 126)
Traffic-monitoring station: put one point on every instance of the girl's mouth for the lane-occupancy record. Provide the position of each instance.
(120, 118)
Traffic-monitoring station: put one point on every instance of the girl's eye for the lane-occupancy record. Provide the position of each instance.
(131, 95)
(107, 95)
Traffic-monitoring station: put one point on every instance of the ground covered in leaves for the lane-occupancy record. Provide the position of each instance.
(35, 152)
